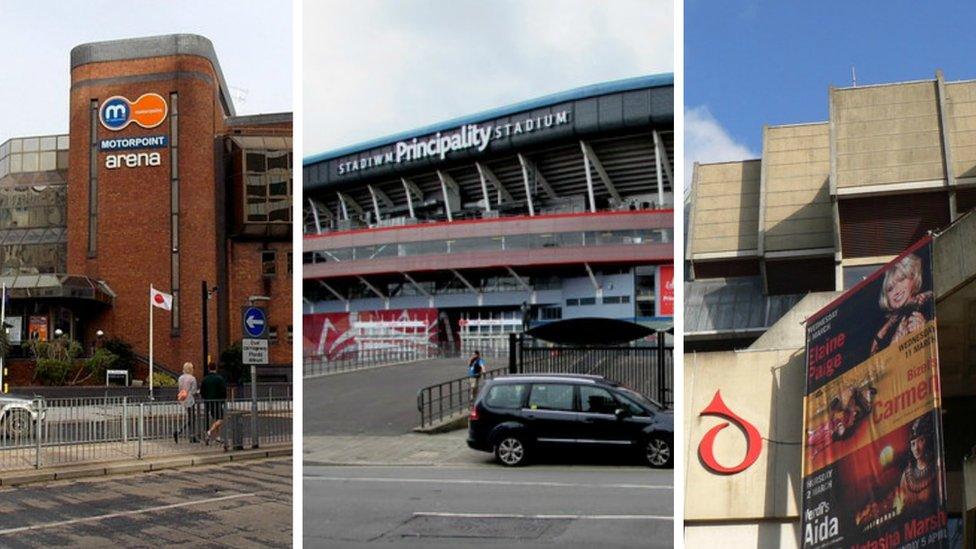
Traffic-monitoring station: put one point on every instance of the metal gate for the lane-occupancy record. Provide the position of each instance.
(648, 369)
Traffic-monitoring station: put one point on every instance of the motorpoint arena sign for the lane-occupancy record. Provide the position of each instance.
(148, 111)
(440, 144)
(873, 467)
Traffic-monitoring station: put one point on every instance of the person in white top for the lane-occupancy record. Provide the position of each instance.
(186, 395)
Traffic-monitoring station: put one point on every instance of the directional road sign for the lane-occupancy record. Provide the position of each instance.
(255, 323)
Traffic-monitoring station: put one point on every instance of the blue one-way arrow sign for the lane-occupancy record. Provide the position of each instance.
(255, 322)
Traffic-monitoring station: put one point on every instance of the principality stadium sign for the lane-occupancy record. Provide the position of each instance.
(440, 144)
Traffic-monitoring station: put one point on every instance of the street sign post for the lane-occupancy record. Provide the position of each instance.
(254, 351)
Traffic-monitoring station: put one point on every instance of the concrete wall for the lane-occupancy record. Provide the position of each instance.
(796, 191)
(765, 388)
(783, 535)
(726, 207)
(886, 134)
(960, 114)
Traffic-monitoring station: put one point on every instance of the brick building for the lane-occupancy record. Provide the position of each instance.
(161, 183)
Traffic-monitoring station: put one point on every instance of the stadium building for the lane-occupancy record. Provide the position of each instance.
(457, 234)
(777, 240)
(157, 182)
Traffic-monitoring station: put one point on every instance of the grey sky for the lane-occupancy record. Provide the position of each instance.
(253, 40)
(376, 67)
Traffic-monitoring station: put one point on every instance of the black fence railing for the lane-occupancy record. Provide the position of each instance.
(648, 370)
(444, 400)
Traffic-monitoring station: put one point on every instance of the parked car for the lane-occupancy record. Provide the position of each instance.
(17, 414)
(515, 416)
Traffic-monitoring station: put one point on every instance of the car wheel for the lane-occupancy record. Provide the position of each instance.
(511, 451)
(17, 423)
(658, 453)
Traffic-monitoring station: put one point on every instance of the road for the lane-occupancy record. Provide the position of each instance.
(477, 506)
(246, 504)
(379, 401)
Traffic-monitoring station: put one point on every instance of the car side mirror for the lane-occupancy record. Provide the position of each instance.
(621, 413)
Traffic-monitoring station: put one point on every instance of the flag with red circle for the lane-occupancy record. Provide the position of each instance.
(160, 299)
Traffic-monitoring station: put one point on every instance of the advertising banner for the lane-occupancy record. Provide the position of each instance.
(873, 468)
(37, 327)
(667, 290)
(340, 336)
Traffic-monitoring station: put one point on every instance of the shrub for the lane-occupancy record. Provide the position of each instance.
(163, 380)
(123, 350)
(232, 361)
(52, 371)
(96, 365)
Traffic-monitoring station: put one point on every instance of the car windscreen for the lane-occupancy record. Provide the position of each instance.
(638, 398)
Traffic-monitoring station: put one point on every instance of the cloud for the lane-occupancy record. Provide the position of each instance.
(376, 67)
(707, 141)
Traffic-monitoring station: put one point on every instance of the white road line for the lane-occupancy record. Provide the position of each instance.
(120, 514)
(490, 482)
(544, 517)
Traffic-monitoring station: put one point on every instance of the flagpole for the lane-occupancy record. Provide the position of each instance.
(151, 397)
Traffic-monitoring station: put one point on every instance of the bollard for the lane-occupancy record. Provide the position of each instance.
(125, 419)
(142, 415)
(37, 433)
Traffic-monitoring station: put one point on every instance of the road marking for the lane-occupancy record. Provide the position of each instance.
(121, 514)
(544, 517)
(491, 482)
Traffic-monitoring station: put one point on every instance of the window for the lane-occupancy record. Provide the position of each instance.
(551, 397)
(269, 267)
(289, 336)
(506, 396)
(587, 301)
(611, 299)
(596, 400)
(289, 262)
(273, 334)
(572, 302)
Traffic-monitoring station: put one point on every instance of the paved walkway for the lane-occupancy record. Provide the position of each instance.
(409, 449)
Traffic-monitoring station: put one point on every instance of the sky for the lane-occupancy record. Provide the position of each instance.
(253, 40)
(754, 62)
(373, 68)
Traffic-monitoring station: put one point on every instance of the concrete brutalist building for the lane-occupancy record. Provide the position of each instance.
(772, 240)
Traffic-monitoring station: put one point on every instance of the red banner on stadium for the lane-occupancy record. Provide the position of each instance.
(667, 290)
(342, 335)
(873, 468)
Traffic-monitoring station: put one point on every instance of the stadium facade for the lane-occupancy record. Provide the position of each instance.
(157, 182)
(772, 242)
(465, 231)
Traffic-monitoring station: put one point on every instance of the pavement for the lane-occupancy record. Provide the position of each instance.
(238, 504)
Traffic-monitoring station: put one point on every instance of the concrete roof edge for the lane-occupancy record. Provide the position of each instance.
(153, 46)
(258, 119)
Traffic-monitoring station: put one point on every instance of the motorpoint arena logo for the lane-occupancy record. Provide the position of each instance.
(148, 111)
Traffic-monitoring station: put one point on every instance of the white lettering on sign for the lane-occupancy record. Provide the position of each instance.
(132, 160)
(439, 145)
(254, 351)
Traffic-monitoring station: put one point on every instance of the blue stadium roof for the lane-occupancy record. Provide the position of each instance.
(605, 88)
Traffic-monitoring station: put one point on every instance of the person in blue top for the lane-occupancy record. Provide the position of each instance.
(476, 369)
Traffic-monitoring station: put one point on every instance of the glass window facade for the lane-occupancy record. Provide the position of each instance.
(33, 204)
(267, 186)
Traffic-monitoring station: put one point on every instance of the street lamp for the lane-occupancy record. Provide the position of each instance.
(58, 332)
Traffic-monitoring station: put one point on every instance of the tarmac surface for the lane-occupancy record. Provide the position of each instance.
(377, 401)
(246, 504)
(478, 506)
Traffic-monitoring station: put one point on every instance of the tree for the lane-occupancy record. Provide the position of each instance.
(123, 350)
(232, 359)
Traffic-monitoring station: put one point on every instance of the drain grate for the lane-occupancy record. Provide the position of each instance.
(479, 527)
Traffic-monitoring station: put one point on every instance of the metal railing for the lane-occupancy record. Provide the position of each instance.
(141, 394)
(646, 369)
(56, 432)
(319, 365)
(443, 400)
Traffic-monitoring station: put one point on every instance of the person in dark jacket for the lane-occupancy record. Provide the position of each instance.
(213, 390)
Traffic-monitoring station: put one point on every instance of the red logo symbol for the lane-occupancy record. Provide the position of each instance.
(158, 299)
(705, 449)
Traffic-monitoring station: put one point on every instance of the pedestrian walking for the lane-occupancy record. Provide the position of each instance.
(213, 391)
(186, 395)
(476, 369)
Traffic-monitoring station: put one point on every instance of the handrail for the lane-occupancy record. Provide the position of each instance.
(452, 397)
